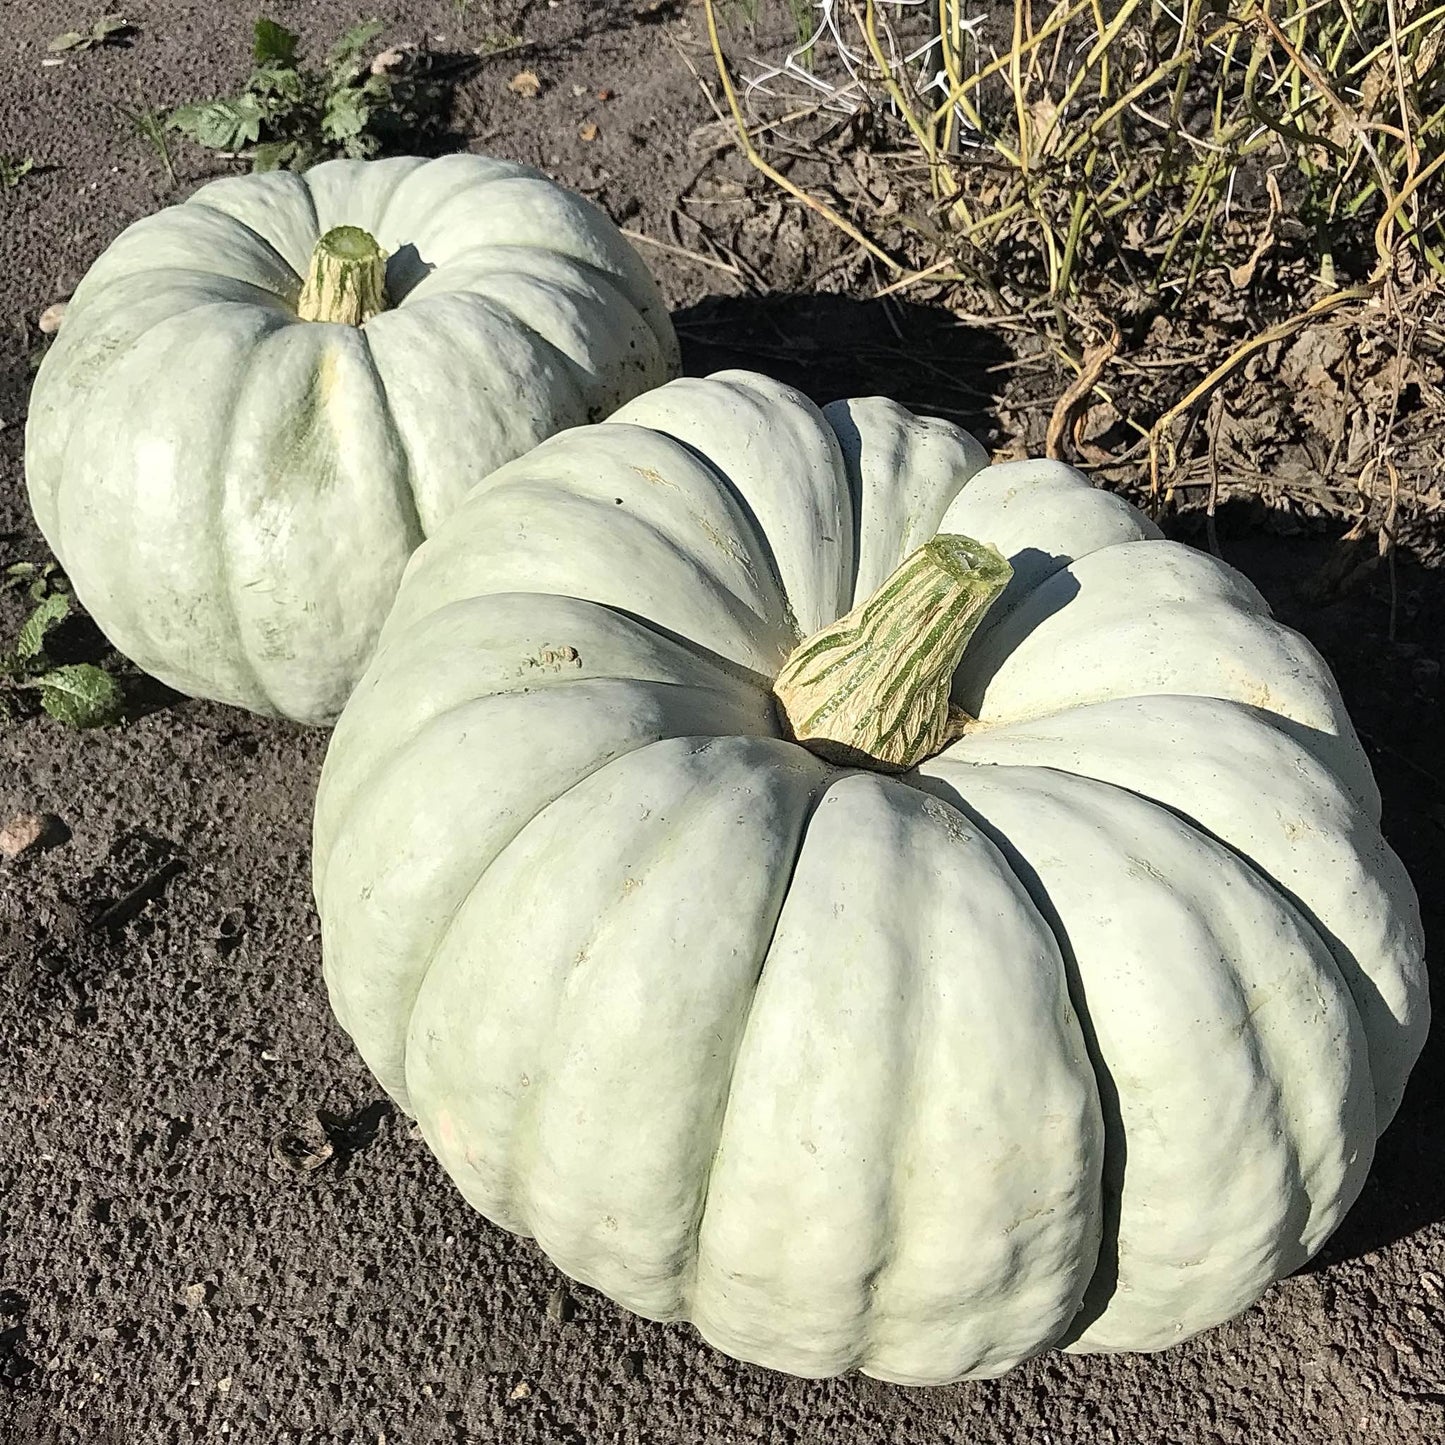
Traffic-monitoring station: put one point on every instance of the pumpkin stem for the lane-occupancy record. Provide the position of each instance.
(871, 690)
(346, 283)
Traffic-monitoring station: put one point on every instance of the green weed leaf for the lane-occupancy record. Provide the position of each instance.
(223, 125)
(71, 40)
(30, 641)
(347, 112)
(353, 44)
(272, 155)
(20, 574)
(274, 44)
(14, 169)
(81, 696)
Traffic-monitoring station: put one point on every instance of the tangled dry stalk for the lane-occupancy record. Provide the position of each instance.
(1257, 183)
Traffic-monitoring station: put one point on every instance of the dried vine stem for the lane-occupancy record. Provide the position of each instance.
(755, 159)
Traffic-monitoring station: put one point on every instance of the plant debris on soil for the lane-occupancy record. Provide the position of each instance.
(211, 1225)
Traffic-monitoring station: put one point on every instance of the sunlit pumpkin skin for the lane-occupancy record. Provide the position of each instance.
(1079, 1033)
(233, 491)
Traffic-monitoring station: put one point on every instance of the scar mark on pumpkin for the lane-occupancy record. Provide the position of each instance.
(556, 658)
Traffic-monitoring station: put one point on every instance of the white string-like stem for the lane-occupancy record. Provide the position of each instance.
(847, 97)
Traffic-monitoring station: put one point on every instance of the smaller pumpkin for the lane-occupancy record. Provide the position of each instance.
(263, 399)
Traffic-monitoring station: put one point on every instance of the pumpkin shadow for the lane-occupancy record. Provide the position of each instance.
(834, 346)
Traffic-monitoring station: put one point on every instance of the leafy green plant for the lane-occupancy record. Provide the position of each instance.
(78, 694)
(102, 32)
(291, 116)
(14, 169)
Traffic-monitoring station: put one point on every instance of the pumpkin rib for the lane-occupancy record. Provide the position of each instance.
(466, 892)
(645, 713)
(561, 530)
(136, 624)
(200, 203)
(224, 561)
(401, 168)
(441, 352)
(165, 277)
(512, 319)
(599, 276)
(525, 1125)
(1079, 635)
(689, 1288)
(144, 248)
(1204, 1300)
(44, 488)
(406, 491)
(812, 1205)
(751, 433)
(908, 440)
(572, 214)
(606, 295)
(1047, 517)
(221, 194)
(738, 608)
(314, 473)
(1394, 1021)
(469, 181)
(398, 658)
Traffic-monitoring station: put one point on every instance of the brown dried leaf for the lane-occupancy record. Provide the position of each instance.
(1043, 122)
(1098, 419)
(588, 132)
(1096, 359)
(526, 84)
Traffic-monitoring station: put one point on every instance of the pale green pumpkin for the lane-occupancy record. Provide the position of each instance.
(1068, 1017)
(233, 453)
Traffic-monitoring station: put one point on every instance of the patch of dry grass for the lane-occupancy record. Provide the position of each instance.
(1125, 180)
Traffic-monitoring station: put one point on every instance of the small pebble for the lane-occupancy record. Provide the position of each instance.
(26, 832)
(521, 1390)
(53, 317)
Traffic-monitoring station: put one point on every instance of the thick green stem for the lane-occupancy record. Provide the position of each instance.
(871, 690)
(346, 283)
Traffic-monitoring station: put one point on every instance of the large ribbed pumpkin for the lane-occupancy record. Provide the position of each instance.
(715, 946)
(262, 400)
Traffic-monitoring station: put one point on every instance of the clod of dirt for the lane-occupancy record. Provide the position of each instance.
(194, 1296)
(53, 317)
(394, 59)
(588, 132)
(303, 1149)
(30, 833)
(525, 83)
(521, 1390)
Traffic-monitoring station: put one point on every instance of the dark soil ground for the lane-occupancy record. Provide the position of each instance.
(171, 1267)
